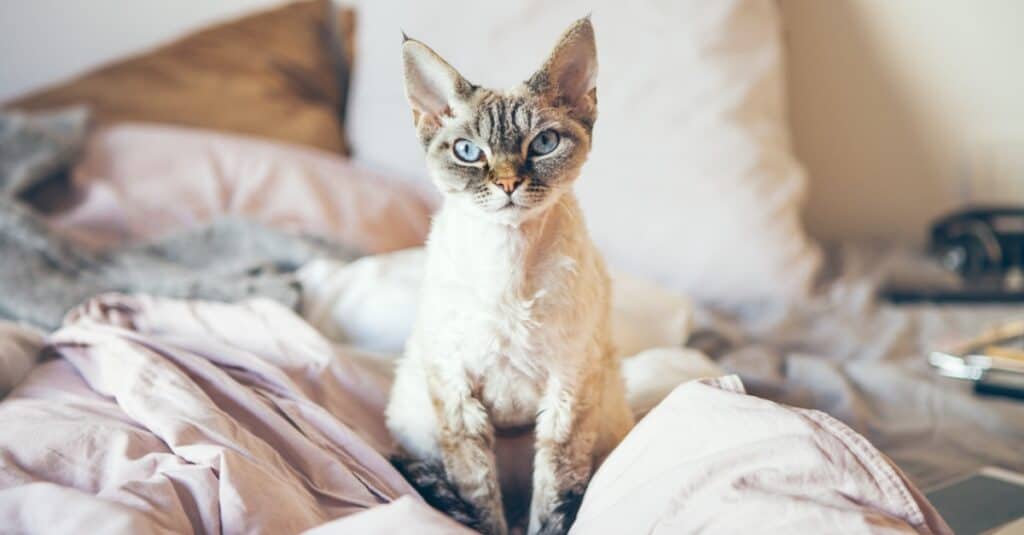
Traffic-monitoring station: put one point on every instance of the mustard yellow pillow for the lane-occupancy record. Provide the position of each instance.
(277, 74)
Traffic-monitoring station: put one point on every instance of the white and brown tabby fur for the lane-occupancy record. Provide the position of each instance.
(512, 335)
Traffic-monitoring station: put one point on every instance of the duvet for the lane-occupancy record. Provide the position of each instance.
(169, 416)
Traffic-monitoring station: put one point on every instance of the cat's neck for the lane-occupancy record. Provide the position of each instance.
(470, 238)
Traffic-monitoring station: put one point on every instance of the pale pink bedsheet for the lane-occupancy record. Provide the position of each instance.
(138, 181)
(711, 459)
(166, 416)
(170, 416)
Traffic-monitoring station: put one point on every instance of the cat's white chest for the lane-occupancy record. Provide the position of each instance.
(499, 311)
(496, 324)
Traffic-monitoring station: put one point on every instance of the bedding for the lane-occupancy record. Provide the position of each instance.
(863, 361)
(691, 149)
(371, 303)
(161, 415)
(166, 416)
(709, 459)
(45, 273)
(841, 351)
(288, 63)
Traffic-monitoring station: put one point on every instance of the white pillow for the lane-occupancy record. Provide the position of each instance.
(371, 304)
(691, 180)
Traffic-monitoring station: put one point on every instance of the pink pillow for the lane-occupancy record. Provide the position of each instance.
(711, 459)
(140, 181)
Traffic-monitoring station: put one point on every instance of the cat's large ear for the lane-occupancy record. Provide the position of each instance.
(431, 85)
(569, 76)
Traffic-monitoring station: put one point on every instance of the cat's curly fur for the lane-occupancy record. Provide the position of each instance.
(513, 328)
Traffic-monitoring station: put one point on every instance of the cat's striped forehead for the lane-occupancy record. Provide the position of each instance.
(503, 121)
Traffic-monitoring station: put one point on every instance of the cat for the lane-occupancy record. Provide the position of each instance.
(513, 331)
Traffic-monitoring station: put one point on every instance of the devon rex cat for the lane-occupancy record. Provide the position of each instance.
(513, 328)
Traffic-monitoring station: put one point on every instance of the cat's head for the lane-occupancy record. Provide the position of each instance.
(507, 155)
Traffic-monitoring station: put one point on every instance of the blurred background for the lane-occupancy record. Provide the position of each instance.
(900, 110)
(770, 182)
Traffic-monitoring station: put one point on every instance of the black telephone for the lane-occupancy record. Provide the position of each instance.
(984, 247)
(980, 242)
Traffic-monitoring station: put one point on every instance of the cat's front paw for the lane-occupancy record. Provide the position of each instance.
(562, 515)
(431, 481)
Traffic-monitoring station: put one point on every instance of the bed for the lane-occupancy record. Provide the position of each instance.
(201, 314)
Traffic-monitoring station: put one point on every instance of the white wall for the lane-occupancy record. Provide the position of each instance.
(44, 41)
(902, 109)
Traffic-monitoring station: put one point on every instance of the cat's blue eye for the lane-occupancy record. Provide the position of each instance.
(544, 143)
(466, 151)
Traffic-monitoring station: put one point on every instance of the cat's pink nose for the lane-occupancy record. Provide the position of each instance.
(508, 184)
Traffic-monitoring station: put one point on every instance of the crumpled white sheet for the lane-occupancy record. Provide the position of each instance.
(371, 303)
(863, 361)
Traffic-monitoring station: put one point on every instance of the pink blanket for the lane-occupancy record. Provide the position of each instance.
(172, 416)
